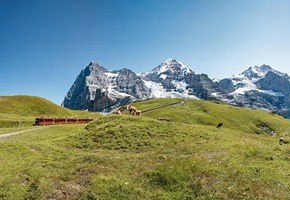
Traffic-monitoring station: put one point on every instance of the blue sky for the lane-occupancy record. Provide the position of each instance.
(44, 44)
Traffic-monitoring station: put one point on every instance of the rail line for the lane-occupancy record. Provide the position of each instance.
(166, 105)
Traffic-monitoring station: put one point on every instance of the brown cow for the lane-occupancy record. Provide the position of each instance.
(138, 113)
(117, 112)
(131, 109)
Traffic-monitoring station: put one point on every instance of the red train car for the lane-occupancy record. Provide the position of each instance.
(71, 120)
(51, 121)
(44, 121)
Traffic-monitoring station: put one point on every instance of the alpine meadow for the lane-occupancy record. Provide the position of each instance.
(144, 157)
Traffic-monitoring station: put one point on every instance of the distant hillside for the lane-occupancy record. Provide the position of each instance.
(213, 112)
(27, 108)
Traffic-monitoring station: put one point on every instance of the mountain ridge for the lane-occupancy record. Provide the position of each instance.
(102, 90)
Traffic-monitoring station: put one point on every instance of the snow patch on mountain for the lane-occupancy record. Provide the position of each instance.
(243, 85)
(180, 85)
(158, 91)
(111, 74)
(163, 76)
(114, 94)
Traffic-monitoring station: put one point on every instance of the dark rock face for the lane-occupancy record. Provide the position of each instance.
(201, 86)
(81, 94)
(226, 86)
(103, 103)
(274, 82)
(128, 82)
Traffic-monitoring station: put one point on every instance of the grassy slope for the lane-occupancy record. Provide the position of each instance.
(127, 157)
(212, 113)
(27, 108)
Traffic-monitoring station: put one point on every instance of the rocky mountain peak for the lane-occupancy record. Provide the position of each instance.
(265, 68)
(94, 67)
(127, 72)
(170, 61)
(171, 66)
(260, 72)
(169, 69)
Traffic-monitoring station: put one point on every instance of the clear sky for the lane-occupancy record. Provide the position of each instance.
(44, 44)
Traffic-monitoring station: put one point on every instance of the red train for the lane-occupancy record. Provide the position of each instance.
(50, 121)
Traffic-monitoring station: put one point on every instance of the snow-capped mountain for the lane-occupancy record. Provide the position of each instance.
(248, 80)
(259, 88)
(168, 80)
(260, 72)
(175, 79)
(98, 89)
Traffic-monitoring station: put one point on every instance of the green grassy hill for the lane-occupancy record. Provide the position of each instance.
(210, 113)
(27, 108)
(140, 157)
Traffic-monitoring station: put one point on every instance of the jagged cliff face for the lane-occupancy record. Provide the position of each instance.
(128, 82)
(275, 82)
(97, 89)
(85, 88)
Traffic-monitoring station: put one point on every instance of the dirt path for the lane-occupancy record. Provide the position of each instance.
(19, 132)
(158, 107)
